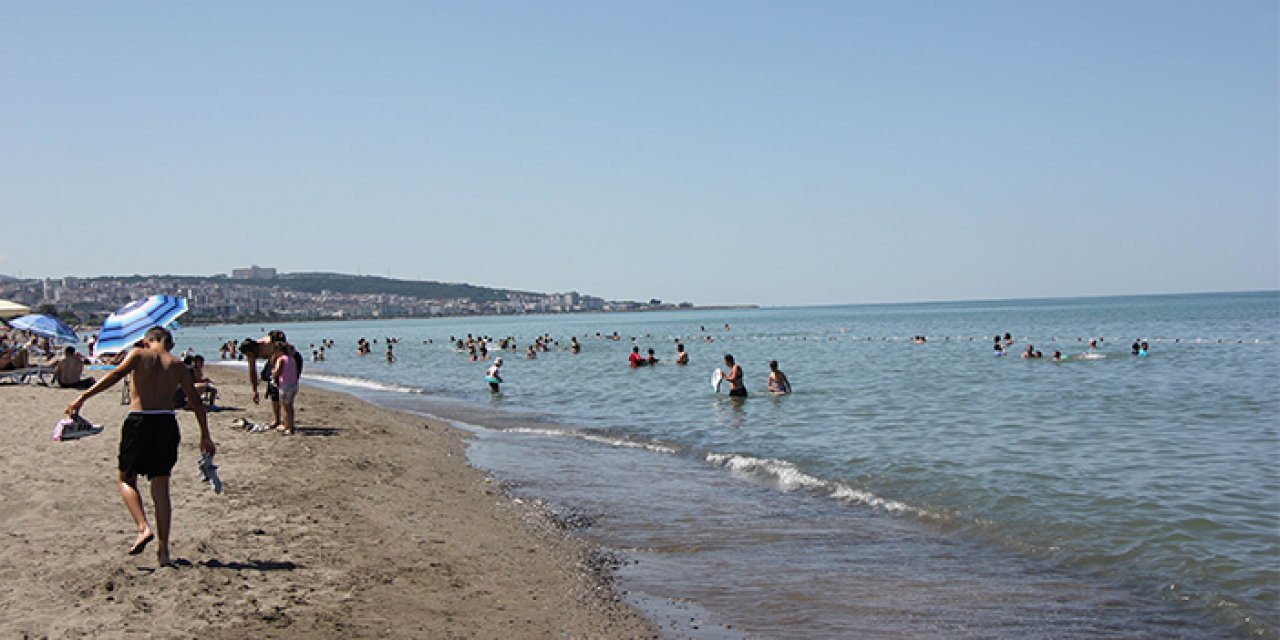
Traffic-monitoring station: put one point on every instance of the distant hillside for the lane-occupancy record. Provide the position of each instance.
(344, 283)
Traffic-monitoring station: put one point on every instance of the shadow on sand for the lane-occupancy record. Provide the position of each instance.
(252, 565)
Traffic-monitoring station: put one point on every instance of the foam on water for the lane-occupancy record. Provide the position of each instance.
(605, 440)
(788, 477)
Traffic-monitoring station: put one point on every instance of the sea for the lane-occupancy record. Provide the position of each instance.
(907, 487)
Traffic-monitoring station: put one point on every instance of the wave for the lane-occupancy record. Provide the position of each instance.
(606, 440)
(789, 477)
(362, 383)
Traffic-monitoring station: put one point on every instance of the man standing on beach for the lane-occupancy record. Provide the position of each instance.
(263, 347)
(149, 438)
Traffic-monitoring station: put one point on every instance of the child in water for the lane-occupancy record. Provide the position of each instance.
(778, 382)
(492, 376)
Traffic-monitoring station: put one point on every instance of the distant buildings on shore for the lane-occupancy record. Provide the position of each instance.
(261, 293)
(254, 273)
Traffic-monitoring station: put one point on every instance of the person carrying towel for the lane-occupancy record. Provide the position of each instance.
(149, 438)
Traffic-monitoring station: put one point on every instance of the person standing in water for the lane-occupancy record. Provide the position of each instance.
(777, 379)
(494, 376)
(149, 437)
(737, 386)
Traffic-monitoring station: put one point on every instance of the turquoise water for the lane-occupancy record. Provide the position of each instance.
(1147, 488)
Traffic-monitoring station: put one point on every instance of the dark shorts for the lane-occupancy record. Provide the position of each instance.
(273, 392)
(84, 383)
(740, 392)
(149, 444)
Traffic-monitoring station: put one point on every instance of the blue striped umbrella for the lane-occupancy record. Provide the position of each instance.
(46, 326)
(132, 321)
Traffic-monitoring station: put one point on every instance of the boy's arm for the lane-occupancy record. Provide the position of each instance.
(197, 407)
(105, 383)
(253, 375)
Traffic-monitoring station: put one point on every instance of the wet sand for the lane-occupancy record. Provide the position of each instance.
(369, 523)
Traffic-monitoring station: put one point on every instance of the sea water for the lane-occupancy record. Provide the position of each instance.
(904, 489)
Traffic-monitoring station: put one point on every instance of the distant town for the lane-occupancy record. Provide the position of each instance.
(260, 293)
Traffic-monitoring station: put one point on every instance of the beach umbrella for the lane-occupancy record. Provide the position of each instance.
(10, 309)
(132, 321)
(45, 326)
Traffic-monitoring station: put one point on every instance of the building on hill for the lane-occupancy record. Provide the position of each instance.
(254, 273)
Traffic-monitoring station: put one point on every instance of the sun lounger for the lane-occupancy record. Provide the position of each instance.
(43, 375)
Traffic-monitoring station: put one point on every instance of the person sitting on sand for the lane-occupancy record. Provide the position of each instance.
(149, 437)
(778, 382)
(204, 386)
(15, 358)
(69, 369)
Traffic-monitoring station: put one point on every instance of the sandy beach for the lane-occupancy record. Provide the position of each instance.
(367, 524)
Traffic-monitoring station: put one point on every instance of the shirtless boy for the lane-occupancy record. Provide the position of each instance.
(149, 438)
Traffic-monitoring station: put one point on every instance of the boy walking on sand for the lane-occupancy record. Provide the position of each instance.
(149, 438)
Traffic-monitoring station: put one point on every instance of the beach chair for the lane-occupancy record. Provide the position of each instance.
(42, 375)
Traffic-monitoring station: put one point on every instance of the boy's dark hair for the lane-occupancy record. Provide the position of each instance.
(160, 334)
(249, 347)
(728, 358)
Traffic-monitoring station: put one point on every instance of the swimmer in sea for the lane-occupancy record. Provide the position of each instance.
(682, 356)
(1057, 356)
(652, 359)
(1143, 351)
(493, 376)
(778, 382)
(737, 388)
(635, 359)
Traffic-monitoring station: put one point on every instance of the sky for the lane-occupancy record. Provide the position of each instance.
(716, 152)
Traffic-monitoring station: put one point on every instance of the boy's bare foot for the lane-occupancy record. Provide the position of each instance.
(141, 543)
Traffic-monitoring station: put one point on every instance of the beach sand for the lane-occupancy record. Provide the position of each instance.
(367, 524)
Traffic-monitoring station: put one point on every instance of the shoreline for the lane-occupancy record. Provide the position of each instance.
(370, 523)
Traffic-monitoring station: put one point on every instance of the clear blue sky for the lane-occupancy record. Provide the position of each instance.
(716, 152)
